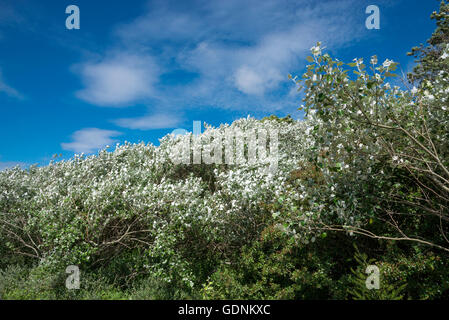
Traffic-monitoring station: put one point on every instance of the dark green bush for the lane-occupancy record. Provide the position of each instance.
(277, 267)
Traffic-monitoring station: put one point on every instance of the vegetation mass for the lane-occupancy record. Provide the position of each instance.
(362, 180)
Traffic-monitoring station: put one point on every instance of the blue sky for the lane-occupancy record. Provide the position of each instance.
(137, 70)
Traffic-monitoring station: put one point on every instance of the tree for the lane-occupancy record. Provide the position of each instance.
(428, 58)
(381, 152)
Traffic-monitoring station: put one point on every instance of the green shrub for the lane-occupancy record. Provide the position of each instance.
(19, 283)
(150, 288)
(385, 291)
(278, 267)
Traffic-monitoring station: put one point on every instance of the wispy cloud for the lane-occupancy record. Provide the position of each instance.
(239, 51)
(154, 121)
(9, 15)
(119, 80)
(8, 90)
(90, 140)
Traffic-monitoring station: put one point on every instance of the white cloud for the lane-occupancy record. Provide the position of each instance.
(155, 121)
(248, 81)
(243, 62)
(262, 65)
(120, 80)
(90, 140)
(240, 52)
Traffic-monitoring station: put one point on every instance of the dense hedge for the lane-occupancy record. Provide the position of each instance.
(141, 227)
(363, 179)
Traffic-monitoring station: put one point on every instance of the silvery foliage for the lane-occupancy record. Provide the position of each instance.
(333, 167)
(370, 135)
(85, 209)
